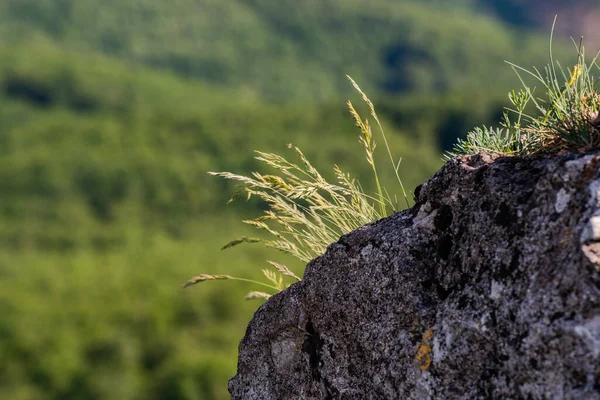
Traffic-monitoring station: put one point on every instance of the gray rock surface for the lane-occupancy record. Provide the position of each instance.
(488, 288)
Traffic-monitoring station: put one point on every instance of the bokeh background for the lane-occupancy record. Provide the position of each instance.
(113, 111)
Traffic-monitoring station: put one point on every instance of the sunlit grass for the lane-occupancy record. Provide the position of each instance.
(306, 212)
(565, 119)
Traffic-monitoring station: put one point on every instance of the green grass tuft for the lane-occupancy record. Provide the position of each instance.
(566, 119)
(306, 212)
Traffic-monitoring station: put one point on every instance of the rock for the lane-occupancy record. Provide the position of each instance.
(489, 287)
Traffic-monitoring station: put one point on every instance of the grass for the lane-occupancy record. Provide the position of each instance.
(306, 212)
(565, 119)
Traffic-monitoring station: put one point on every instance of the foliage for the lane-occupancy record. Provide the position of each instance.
(260, 47)
(567, 119)
(486, 140)
(308, 212)
(113, 325)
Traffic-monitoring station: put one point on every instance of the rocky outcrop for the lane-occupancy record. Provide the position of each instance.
(489, 287)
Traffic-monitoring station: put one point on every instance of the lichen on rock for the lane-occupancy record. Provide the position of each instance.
(488, 287)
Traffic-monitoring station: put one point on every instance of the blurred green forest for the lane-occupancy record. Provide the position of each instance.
(112, 112)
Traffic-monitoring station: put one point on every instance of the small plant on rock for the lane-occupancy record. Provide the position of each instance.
(305, 212)
(566, 119)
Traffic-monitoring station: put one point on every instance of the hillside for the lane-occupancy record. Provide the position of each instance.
(106, 208)
(85, 128)
(262, 47)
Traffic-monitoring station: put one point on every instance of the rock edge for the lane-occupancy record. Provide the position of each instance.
(489, 287)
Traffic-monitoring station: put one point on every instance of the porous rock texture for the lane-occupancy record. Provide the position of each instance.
(488, 288)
